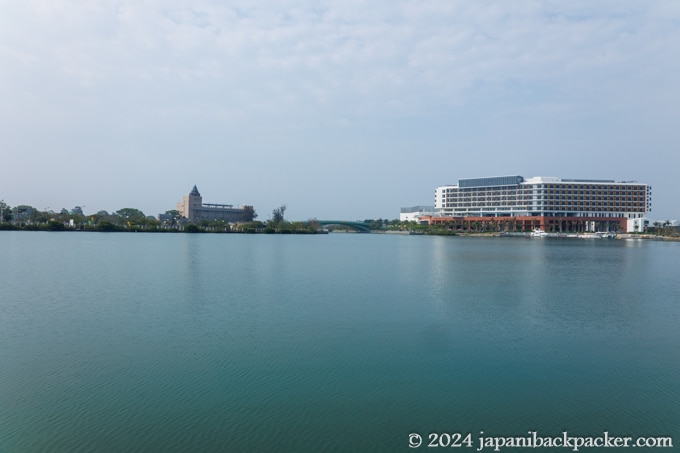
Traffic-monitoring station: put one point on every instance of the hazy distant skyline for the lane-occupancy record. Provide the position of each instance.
(345, 110)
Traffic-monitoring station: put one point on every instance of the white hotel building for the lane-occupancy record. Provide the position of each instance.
(545, 201)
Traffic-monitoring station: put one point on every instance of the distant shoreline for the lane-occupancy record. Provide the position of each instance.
(621, 236)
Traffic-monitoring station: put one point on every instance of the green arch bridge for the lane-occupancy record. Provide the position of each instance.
(359, 226)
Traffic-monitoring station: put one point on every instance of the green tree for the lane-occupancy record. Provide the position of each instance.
(173, 220)
(250, 227)
(667, 227)
(24, 213)
(277, 215)
(151, 223)
(130, 214)
(191, 228)
(376, 224)
(55, 225)
(106, 225)
(95, 219)
(42, 217)
(130, 217)
(5, 212)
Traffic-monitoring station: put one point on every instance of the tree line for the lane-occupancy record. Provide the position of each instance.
(25, 217)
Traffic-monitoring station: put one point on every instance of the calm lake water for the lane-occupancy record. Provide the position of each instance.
(341, 342)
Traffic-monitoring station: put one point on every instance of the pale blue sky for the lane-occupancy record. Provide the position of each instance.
(347, 109)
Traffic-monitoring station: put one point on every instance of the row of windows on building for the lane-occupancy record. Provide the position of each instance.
(588, 187)
(459, 192)
(530, 208)
(519, 202)
(601, 213)
(576, 199)
(545, 197)
(501, 196)
(544, 201)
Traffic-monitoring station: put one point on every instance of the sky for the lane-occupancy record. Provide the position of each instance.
(337, 109)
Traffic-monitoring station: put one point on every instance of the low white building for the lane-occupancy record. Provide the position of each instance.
(638, 225)
(644, 224)
(412, 213)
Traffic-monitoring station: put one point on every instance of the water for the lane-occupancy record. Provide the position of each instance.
(177, 342)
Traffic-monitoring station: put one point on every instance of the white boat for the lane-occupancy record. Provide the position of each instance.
(597, 235)
(538, 233)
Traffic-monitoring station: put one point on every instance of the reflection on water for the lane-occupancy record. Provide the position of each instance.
(133, 342)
